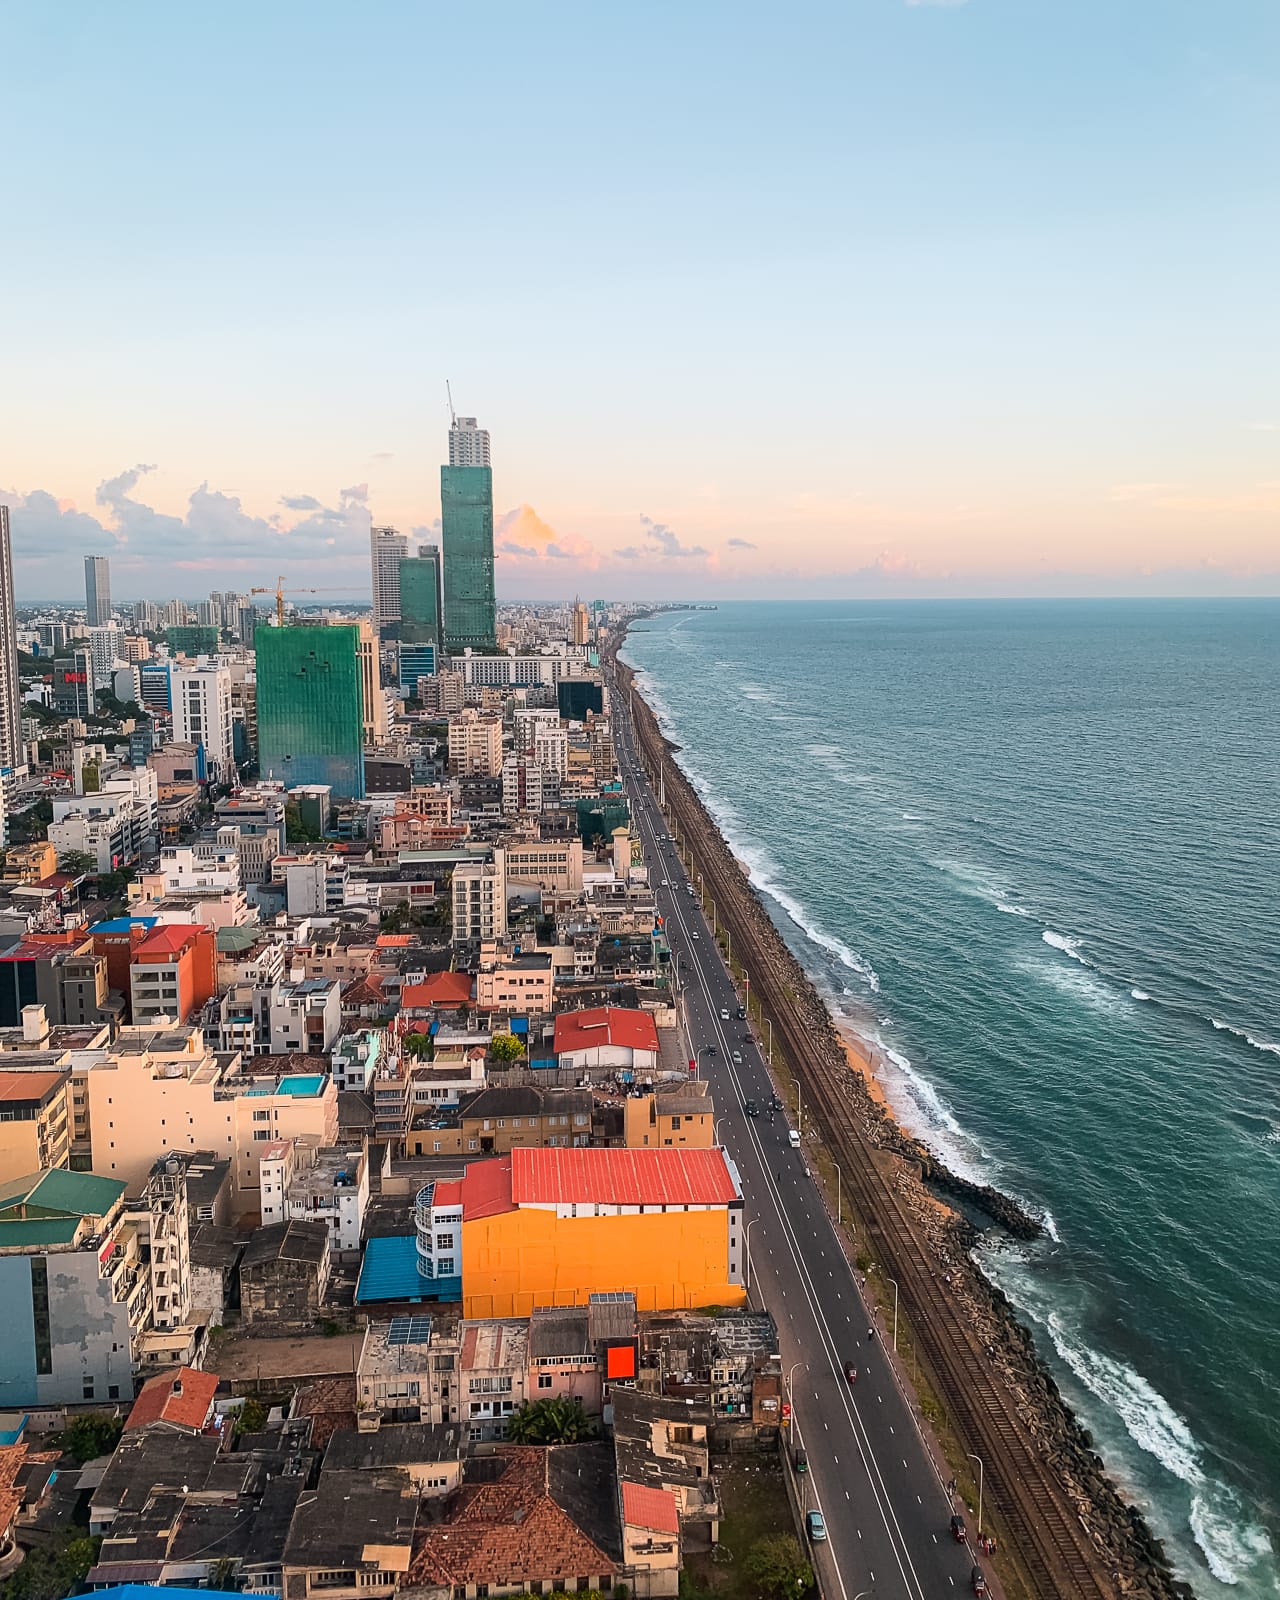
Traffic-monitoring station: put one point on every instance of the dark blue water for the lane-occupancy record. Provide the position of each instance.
(1033, 851)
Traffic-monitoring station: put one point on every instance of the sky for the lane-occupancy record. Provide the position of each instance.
(885, 297)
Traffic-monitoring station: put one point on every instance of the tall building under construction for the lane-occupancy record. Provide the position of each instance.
(311, 707)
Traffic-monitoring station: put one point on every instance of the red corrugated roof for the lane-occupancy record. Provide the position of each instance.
(440, 989)
(655, 1509)
(620, 1177)
(486, 1189)
(447, 1192)
(582, 1030)
(168, 939)
(28, 1085)
(189, 1409)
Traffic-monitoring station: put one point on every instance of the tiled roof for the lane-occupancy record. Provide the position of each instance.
(441, 989)
(620, 1177)
(28, 1085)
(506, 1531)
(655, 1509)
(183, 1398)
(170, 939)
(584, 1030)
(486, 1188)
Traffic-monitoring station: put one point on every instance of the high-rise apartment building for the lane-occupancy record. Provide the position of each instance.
(10, 708)
(468, 444)
(201, 700)
(97, 590)
(146, 616)
(387, 550)
(475, 744)
(310, 707)
(466, 516)
(106, 646)
(581, 623)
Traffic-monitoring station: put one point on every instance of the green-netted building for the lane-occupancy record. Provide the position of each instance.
(192, 639)
(310, 707)
(466, 519)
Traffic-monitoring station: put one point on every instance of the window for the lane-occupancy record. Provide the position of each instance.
(444, 1241)
(544, 1380)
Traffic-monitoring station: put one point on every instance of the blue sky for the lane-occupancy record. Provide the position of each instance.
(869, 298)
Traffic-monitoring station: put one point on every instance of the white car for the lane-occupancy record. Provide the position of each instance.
(665, 884)
(724, 1016)
(695, 934)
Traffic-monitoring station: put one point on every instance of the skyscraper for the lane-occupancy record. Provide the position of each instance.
(468, 444)
(581, 623)
(421, 605)
(466, 515)
(97, 590)
(388, 549)
(10, 709)
(310, 707)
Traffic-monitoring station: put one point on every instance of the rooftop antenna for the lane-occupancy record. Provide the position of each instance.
(453, 418)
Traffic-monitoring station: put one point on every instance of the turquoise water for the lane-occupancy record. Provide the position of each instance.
(304, 1085)
(1032, 850)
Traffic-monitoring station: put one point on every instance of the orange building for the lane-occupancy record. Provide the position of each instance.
(173, 972)
(550, 1227)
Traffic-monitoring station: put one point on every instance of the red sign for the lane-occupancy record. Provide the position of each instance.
(786, 1411)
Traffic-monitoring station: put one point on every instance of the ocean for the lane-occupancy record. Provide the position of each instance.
(1032, 851)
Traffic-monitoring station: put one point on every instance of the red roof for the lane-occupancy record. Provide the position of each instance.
(394, 941)
(447, 1192)
(655, 1509)
(620, 1177)
(452, 989)
(168, 939)
(584, 1030)
(184, 1398)
(486, 1189)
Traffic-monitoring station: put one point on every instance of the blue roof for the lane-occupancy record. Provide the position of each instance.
(519, 1025)
(390, 1272)
(122, 925)
(148, 1591)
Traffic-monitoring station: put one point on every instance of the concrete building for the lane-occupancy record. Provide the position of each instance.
(35, 1122)
(301, 1183)
(521, 785)
(311, 707)
(408, 1370)
(553, 864)
(608, 1037)
(552, 1227)
(387, 549)
(479, 892)
(172, 973)
(284, 1273)
(475, 745)
(97, 590)
(306, 1017)
(551, 749)
(523, 983)
(468, 443)
(580, 624)
(683, 1115)
(373, 701)
(116, 825)
(202, 714)
(106, 647)
(494, 1368)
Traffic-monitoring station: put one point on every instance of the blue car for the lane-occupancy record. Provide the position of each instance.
(817, 1527)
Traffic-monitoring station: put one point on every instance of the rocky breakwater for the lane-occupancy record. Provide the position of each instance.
(1128, 1558)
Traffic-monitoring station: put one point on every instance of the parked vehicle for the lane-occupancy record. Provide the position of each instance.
(800, 1460)
(958, 1531)
(817, 1526)
(742, 1013)
(793, 1139)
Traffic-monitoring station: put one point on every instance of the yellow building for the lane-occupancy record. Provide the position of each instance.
(35, 1122)
(29, 863)
(551, 1227)
(680, 1117)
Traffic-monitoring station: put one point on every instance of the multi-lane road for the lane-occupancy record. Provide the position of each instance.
(883, 1498)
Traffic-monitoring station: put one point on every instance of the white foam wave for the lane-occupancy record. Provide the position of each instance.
(1012, 911)
(1068, 946)
(1139, 994)
(923, 1092)
(757, 692)
(1258, 1044)
(763, 875)
(1078, 985)
(912, 816)
(1050, 1225)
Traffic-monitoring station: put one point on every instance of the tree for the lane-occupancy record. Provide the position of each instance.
(505, 1047)
(251, 1417)
(779, 1566)
(555, 1421)
(418, 1045)
(51, 1572)
(77, 863)
(88, 1437)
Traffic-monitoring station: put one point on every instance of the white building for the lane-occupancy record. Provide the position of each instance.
(306, 1016)
(202, 712)
(526, 720)
(106, 647)
(475, 744)
(387, 549)
(116, 826)
(551, 750)
(480, 899)
(358, 1057)
(521, 785)
(301, 1183)
(468, 443)
(315, 885)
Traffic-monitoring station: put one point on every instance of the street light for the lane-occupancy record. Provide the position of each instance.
(978, 1459)
(895, 1312)
(750, 1225)
(768, 1021)
(715, 1128)
(791, 1385)
(728, 950)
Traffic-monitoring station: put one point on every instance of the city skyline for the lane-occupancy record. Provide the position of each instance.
(974, 301)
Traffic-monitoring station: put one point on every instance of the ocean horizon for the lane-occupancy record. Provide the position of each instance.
(1028, 850)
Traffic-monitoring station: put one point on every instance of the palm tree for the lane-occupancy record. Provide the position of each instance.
(77, 863)
(555, 1421)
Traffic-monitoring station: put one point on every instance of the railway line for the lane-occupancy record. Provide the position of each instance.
(1044, 1540)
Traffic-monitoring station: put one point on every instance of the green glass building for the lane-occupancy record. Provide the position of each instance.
(194, 639)
(311, 707)
(466, 516)
(421, 607)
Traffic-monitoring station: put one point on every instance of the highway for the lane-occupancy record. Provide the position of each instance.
(884, 1502)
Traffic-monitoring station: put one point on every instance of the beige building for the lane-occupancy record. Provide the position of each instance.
(375, 702)
(475, 745)
(480, 900)
(35, 1122)
(161, 1088)
(509, 982)
(553, 864)
(683, 1116)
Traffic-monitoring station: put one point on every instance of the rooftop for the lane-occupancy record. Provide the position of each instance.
(647, 1507)
(17, 1087)
(620, 1177)
(183, 1399)
(49, 1207)
(448, 989)
(287, 1241)
(393, 1445)
(605, 1025)
(353, 1517)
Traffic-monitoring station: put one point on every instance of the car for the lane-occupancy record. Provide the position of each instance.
(737, 1058)
(958, 1530)
(695, 934)
(665, 884)
(977, 1582)
(751, 1108)
(851, 1371)
(816, 1524)
(724, 1016)
(800, 1460)
(742, 1013)
(793, 1139)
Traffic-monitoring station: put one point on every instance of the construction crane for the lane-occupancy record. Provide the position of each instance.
(278, 589)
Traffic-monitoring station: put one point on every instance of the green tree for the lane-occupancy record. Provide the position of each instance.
(251, 1417)
(418, 1045)
(51, 1572)
(555, 1421)
(505, 1047)
(77, 863)
(296, 831)
(779, 1566)
(90, 1436)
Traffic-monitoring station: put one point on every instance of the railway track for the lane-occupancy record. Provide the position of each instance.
(1043, 1536)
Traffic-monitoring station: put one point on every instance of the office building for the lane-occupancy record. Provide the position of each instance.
(372, 697)
(310, 707)
(421, 609)
(466, 513)
(468, 444)
(201, 705)
(581, 624)
(106, 647)
(10, 710)
(97, 591)
(191, 639)
(387, 549)
(73, 684)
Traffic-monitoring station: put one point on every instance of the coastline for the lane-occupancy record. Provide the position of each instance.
(949, 1215)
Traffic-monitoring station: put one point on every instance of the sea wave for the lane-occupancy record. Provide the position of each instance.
(1082, 985)
(1012, 911)
(1258, 1044)
(1139, 994)
(1068, 946)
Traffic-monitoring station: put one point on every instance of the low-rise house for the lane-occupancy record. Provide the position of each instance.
(429, 1453)
(502, 1118)
(408, 1370)
(494, 1374)
(564, 1360)
(306, 1017)
(510, 981)
(650, 1540)
(663, 1443)
(608, 1037)
(283, 1275)
(304, 1184)
(214, 1254)
(182, 1402)
(683, 1114)
(351, 1536)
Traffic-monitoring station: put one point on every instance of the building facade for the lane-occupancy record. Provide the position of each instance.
(10, 708)
(310, 707)
(466, 513)
(387, 549)
(97, 590)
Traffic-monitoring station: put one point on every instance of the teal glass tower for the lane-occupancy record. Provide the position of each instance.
(311, 707)
(466, 516)
(421, 609)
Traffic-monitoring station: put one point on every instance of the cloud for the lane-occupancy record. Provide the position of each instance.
(664, 539)
(523, 535)
(300, 502)
(509, 547)
(742, 544)
(359, 491)
(383, 455)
